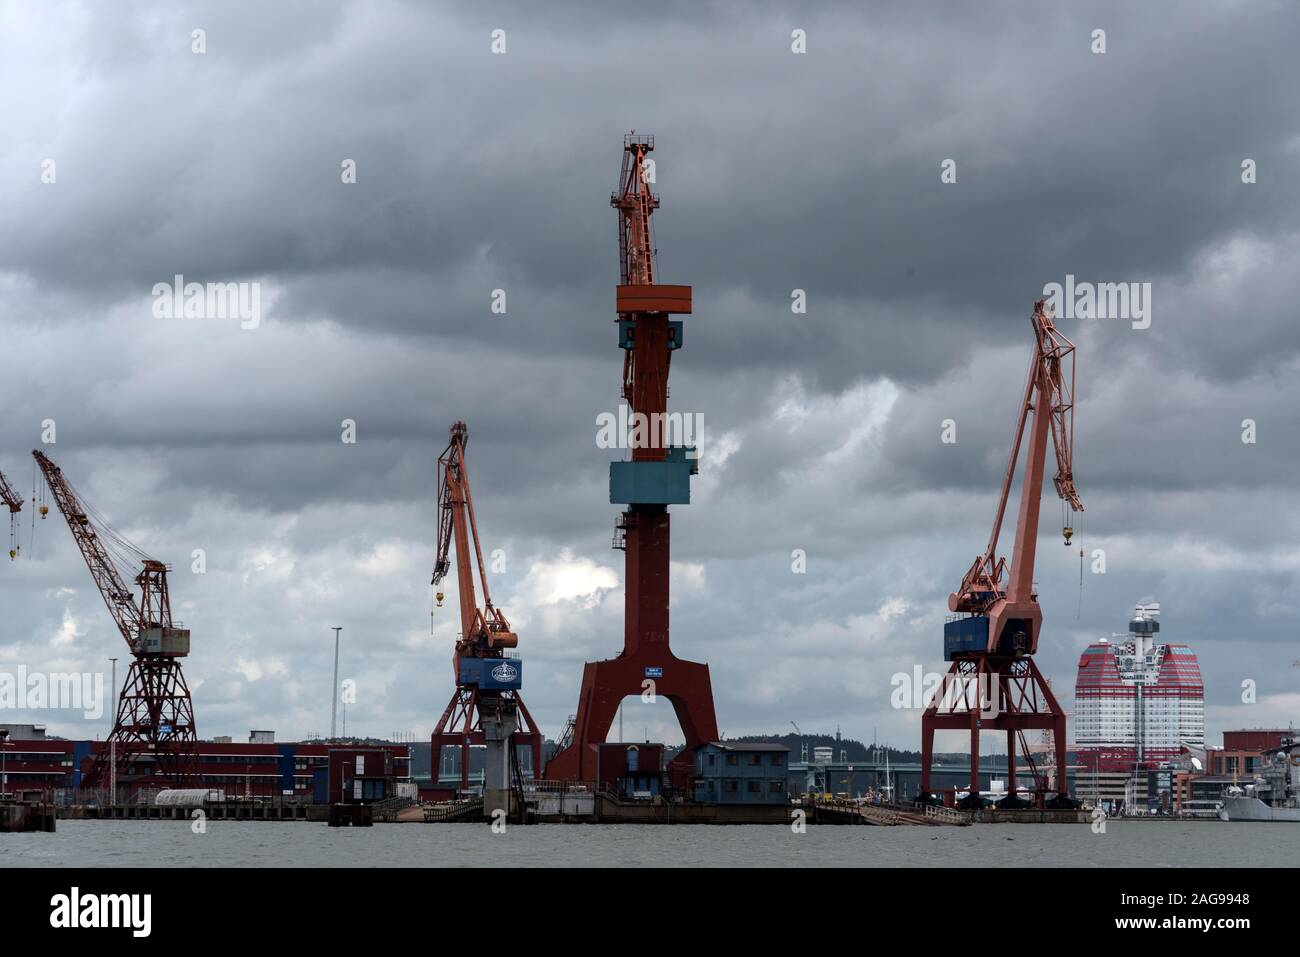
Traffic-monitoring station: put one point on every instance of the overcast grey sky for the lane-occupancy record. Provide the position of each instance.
(818, 171)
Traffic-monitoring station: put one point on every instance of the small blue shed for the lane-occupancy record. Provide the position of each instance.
(741, 772)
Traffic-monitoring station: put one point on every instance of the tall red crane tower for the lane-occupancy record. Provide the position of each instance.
(487, 704)
(993, 683)
(15, 505)
(153, 735)
(657, 476)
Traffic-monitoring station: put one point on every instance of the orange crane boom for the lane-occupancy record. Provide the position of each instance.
(486, 707)
(483, 631)
(993, 683)
(1049, 398)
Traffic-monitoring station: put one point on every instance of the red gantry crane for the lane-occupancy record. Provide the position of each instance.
(657, 476)
(15, 505)
(486, 706)
(153, 736)
(993, 683)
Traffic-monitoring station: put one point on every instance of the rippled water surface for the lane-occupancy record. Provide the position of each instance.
(268, 844)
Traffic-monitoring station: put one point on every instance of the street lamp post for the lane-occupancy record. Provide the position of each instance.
(4, 770)
(334, 689)
(113, 680)
(112, 743)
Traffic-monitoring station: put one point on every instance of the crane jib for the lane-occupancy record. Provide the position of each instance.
(145, 623)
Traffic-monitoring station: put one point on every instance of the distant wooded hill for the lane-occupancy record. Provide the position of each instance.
(852, 749)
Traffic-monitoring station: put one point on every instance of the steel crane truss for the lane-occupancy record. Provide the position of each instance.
(153, 737)
(155, 722)
(461, 727)
(989, 693)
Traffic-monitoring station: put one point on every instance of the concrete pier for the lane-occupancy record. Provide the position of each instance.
(26, 817)
(498, 723)
(216, 811)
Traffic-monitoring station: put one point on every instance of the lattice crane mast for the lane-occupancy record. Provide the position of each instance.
(155, 714)
(486, 680)
(656, 476)
(636, 260)
(15, 505)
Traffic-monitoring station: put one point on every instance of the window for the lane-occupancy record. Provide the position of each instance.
(776, 787)
(755, 759)
(712, 760)
(778, 760)
(733, 760)
(754, 787)
(731, 786)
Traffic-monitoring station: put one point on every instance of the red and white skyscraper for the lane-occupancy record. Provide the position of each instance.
(1138, 701)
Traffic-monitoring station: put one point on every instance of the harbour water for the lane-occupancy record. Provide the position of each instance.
(266, 844)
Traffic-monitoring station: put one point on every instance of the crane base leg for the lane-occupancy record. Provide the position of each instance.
(604, 686)
(983, 693)
(465, 724)
(155, 722)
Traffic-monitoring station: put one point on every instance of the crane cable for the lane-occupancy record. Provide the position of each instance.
(1079, 612)
(124, 554)
(31, 545)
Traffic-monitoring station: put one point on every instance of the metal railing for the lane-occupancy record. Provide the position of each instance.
(946, 814)
(395, 803)
(566, 736)
(560, 787)
(452, 812)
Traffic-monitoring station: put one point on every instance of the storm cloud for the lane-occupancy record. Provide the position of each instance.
(778, 171)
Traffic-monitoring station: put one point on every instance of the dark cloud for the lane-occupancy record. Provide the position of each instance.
(778, 172)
